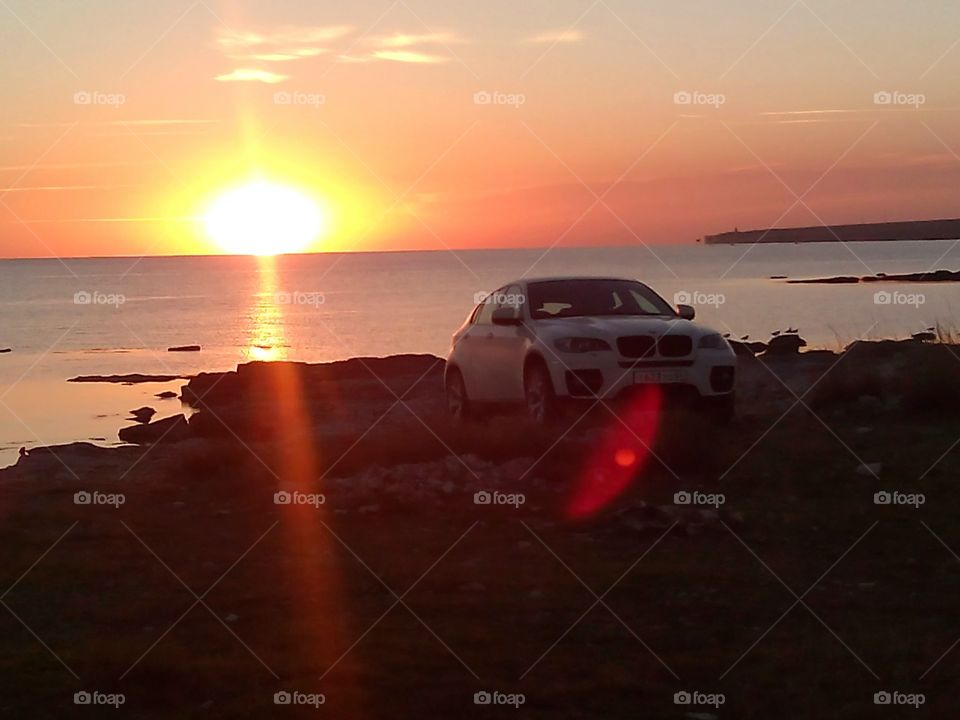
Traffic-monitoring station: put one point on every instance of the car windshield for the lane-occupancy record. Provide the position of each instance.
(583, 298)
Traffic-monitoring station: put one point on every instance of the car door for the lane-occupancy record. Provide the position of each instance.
(507, 346)
(473, 355)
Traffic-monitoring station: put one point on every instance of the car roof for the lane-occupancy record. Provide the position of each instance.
(564, 278)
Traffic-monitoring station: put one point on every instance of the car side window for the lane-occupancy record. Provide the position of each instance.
(512, 298)
(484, 316)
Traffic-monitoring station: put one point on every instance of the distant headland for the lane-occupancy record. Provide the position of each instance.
(906, 230)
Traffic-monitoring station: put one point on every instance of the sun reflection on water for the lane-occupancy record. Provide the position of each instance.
(266, 340)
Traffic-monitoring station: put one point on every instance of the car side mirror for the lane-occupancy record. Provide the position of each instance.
(686, 312)
(506, 316)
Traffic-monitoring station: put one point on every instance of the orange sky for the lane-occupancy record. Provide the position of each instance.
(426, 125)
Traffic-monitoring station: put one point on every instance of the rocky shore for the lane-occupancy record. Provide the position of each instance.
(300, 501)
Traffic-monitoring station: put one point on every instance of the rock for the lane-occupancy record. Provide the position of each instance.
(143, 414)
(5, 350)
(870, 469)
(838, 280)
(785, 345)
(924, 336)
(741, 348)
(184, 348)
(172, 429)
(166, 395)
(130, 379)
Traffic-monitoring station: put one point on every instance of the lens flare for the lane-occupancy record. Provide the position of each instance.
(624, 450)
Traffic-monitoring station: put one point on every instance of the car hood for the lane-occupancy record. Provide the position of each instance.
(607, 326)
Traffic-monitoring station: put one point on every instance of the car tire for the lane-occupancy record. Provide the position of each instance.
(455, 394)
(720, 409)
(539, 398)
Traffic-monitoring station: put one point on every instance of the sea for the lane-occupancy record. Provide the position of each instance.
(62, 318)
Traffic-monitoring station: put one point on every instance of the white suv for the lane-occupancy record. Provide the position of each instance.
(534, 342)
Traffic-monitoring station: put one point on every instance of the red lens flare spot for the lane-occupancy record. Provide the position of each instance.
(625, 457)
(621, 453)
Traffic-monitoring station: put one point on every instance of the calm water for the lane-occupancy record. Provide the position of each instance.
(326, 307)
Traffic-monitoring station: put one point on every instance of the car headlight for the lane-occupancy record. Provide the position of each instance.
(713, 341)
(581, 345)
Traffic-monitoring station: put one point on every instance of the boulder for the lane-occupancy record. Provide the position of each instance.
(143, 414)
(5, 350)
(184, 348)
(166, 395)
(785, 345)
(741, 348)
(171, 429)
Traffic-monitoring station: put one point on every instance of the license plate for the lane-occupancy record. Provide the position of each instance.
(656, 377)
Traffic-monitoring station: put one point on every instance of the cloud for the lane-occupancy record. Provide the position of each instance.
(408, 56)
(290, 43)
(252, 75)
(283, 37)
(287, 55)
(552, 37)
(406, 40)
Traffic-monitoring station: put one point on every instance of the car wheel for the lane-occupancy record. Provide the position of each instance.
(538, 393)
(720, 410)
(455, 391)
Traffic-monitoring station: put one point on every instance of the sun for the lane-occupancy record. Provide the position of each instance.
(264, 218)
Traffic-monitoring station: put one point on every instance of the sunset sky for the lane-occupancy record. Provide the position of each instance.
(426, 125)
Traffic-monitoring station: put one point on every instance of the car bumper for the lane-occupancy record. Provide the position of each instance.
(606, 375)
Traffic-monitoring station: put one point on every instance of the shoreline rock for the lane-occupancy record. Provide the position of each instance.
(143, 414)
(926, 277)
(168, 430)
(128, 379)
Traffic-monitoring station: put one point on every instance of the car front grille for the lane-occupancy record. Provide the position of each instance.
(675, 345)
(636, 346)
(646, 346)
